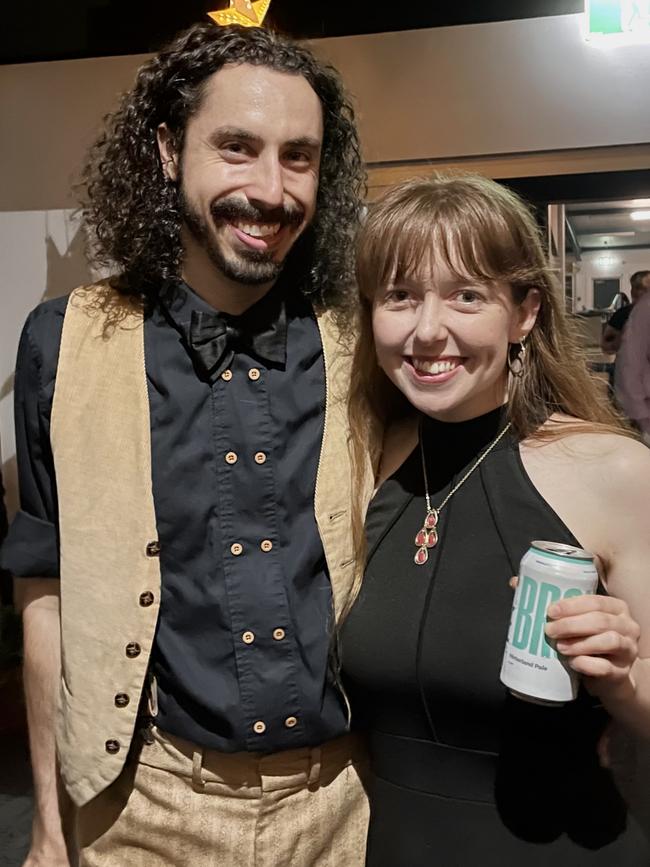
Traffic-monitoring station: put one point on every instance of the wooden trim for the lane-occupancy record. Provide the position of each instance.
(524, 165)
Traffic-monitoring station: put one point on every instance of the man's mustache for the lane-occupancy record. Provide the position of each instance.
(234, 209)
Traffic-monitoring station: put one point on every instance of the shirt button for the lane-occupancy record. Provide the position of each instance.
(133, 649)
(290, 722)
(279, 634)
(253, 374)
(266, 545)
(248, 637)
(236, 549)
(153, 549)
(260, 458)
(121, 699)
(112, 746)
(231, 458)
(226, 375)
(146, 599)
(259, 727)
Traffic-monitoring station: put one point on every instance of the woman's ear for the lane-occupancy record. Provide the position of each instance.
(167, 152)
(526, 316)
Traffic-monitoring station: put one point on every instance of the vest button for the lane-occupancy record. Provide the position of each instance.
(153, 549)
(259, 727)
(146, 599)
(112, 746)
(290, 722)
(133, 649)
(121, 699)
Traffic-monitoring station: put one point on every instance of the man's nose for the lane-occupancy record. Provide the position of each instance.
(266, 186)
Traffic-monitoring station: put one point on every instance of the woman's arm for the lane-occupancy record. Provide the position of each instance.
(607, 638)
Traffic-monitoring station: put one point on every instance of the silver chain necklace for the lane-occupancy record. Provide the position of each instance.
(427, 537)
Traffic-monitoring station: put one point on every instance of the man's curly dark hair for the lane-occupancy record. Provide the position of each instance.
(132, 212)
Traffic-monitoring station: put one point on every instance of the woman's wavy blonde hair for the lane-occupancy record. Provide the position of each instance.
(483, 232)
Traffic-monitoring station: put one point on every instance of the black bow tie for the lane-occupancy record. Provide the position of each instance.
(214, 337)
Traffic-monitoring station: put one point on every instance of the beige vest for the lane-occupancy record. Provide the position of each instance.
(110, 573)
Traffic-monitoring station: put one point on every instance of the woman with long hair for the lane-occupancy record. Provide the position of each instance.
(495, 427)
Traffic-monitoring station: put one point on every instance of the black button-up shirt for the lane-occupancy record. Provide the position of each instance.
(241, 650)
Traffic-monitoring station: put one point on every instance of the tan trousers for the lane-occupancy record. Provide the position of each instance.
(176, 804)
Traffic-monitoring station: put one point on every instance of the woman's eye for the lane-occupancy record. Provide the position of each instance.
(467, 296)
(397, 296)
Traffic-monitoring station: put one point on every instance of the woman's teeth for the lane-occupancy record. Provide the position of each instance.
(434, 367)
(258, 230)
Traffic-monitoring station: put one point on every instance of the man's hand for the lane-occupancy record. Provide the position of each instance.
(38, 598)
(47, 853)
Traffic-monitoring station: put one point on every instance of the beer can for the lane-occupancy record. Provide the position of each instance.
(531, 668)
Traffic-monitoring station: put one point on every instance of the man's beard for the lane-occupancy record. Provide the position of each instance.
(248, 267)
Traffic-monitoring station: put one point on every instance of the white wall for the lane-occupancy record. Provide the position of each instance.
(506, 87)
(627, 262)
(42, 257)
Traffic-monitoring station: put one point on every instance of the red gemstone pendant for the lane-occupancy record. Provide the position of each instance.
(431, 519)
(426, 538)
(421, 556)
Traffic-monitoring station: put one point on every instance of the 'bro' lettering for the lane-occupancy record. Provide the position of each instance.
(530, 617)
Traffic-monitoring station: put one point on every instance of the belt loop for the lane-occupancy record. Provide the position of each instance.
(152, 695)
(198, 783)
(314, 766)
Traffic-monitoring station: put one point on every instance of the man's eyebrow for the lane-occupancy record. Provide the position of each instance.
(305, 141)
(235, 133)
(240, 134)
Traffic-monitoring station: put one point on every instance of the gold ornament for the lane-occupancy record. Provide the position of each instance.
(247, 13)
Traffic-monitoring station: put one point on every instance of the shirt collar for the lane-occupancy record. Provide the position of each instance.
(268, 316)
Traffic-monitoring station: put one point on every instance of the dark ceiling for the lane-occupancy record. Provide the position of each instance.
(36, 30)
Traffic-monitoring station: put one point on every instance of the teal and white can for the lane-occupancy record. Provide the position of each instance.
(531, 668)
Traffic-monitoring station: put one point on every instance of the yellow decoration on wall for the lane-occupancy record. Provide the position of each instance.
(247, 13)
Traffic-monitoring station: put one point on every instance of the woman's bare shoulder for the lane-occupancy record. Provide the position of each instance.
(603, 458)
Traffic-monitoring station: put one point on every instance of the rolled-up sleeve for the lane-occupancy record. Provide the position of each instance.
(31, 548)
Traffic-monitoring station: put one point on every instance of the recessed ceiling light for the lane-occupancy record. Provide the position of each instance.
(640, 215)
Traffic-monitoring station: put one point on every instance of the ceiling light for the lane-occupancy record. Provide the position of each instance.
(640, 215)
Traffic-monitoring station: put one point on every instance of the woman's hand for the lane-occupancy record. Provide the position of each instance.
(598, 637)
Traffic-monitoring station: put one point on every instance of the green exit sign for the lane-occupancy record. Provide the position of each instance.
(605, 17)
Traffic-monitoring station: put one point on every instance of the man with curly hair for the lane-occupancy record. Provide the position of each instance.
(185, 486)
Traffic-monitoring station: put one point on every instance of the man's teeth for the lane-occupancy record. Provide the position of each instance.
(434, 366)
(258, 230)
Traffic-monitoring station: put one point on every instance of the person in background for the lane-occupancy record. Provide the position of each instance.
(612, 335)
(5, 577)
(185, 491)
(632, 380)
(496, 436)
